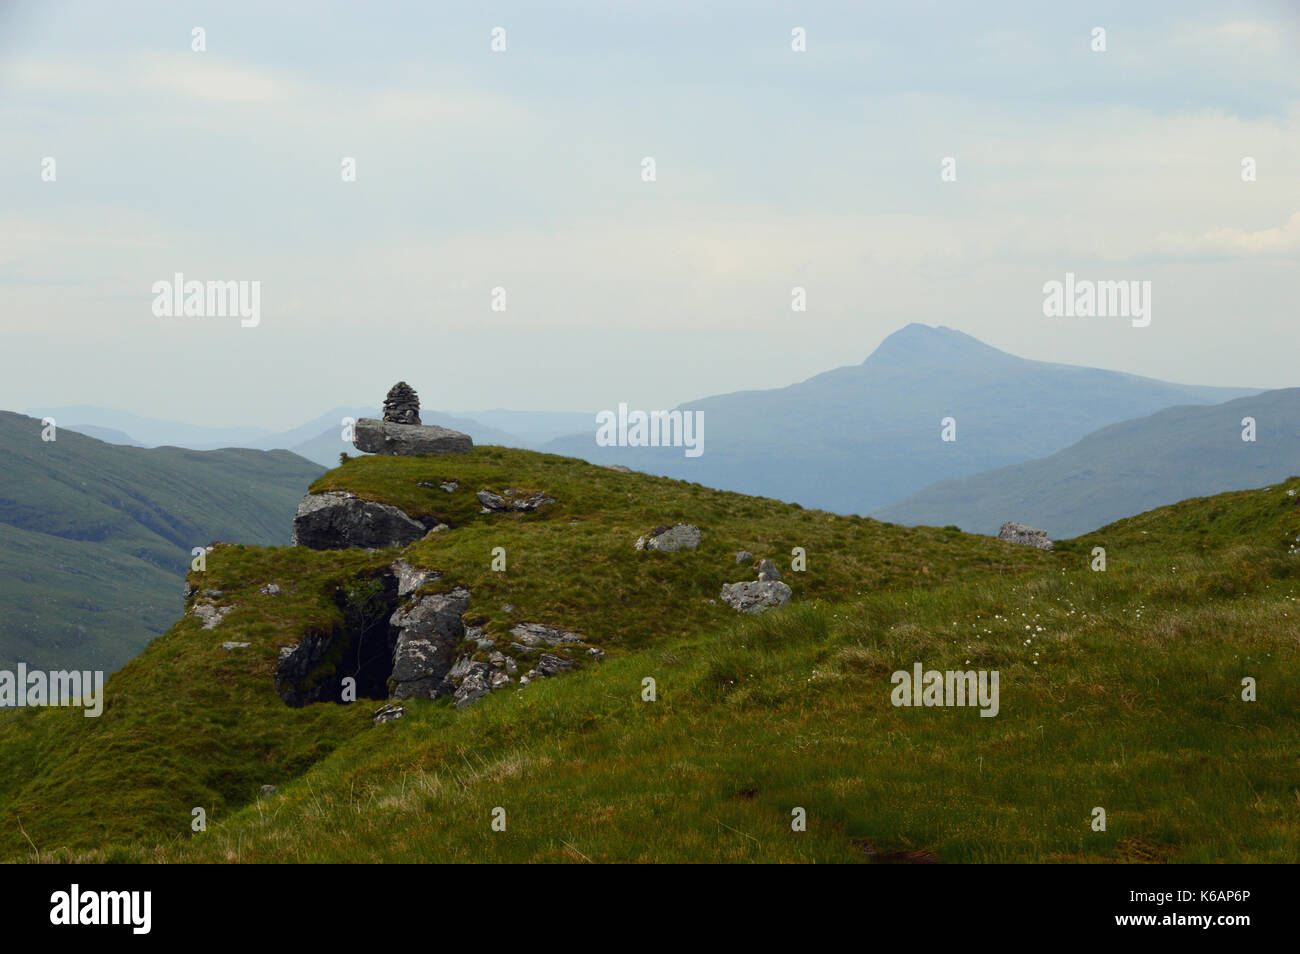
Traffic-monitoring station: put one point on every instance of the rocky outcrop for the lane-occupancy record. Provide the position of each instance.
(428, 630)
(408, 440)
(411, 578)
(532, 635)
(338, 520)
(681, 536)
(1026, 536)
(510, 501)
(755, 596)
(209, 613)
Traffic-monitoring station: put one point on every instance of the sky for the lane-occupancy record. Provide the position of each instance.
(523, 169)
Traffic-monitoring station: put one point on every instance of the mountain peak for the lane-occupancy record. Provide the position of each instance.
(916, 343)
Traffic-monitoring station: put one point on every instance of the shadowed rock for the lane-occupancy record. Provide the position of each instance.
(337, 520)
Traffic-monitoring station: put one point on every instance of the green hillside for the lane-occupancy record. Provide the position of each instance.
(1120, 689)
(1123, 469)
(95, 538)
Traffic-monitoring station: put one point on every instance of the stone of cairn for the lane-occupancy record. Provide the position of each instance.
(402, 406)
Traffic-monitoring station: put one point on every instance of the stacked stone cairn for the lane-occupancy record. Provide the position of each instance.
(402, 406)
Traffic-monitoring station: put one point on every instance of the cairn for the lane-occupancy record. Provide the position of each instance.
(402, 406)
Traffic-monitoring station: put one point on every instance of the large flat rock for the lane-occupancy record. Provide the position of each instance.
(407, 440)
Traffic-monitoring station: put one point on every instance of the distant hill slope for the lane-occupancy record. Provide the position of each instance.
(857, 438)
(319, 440)
(96, 538)
(1122, 470)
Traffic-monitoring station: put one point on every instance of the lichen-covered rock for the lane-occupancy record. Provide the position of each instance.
(512, 501)
(755, 596)
(338, 520)
(408, 440)
(767, 571)
(681, 536)
(411, 578)
(388, 713)
(1026, 536)
(428, 630)
(210, 614)
(531, 635)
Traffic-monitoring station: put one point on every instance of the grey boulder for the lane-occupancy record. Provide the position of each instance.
(1013, 532)
(428, 630)
(681, 536)
(338, 520)
(755, 596)
(408, 440)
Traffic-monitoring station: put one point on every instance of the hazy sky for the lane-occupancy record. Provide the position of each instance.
(522, 170)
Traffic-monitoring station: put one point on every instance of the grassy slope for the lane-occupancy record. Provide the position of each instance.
(95, 537)
(1126, 697)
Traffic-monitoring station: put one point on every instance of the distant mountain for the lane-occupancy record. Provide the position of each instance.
(319, 440)
(106, 434)
(151, 432)
(95, 538)
(537, 427)
(1122, 470)
(857, 438)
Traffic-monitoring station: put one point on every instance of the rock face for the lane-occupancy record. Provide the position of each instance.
(512, 501)
(402, 406)
(755, 596)
(682, 536)
(337, 520)
(410, 578)
(407, 440)
(428, 630)
(1026, 536)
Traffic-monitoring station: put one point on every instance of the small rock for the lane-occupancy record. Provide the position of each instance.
(755, 597)
(743, 555)
(451, 486)
(596, 653)
(667, 539)
(235, 645)
(1013, 532)
(388, 713)
(769, 568)
(267, 790)
(512, 501)
(210, 614)
(549, 665)
(411, 578)
(535, 634)
(271, 589)
(213, 594)
(619, 467)
(507, 607)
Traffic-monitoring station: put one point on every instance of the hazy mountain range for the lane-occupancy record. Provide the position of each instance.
(860, 437)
